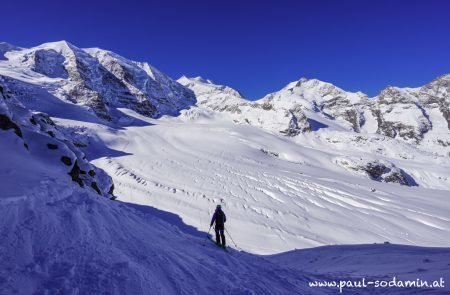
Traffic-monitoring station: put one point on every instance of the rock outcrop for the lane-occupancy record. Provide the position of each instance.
(42, 138)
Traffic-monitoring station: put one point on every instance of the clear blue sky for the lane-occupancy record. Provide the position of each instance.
(254, 46)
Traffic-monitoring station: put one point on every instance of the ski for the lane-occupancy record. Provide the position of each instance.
(219, 246)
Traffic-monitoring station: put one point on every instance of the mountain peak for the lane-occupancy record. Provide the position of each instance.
(58, 46)
(202, 80)
(199, 79)
(202, 86)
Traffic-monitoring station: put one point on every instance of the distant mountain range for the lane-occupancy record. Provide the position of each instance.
(103, 81)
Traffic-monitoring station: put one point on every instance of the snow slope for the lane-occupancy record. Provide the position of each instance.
(61, 239)
(278, 194)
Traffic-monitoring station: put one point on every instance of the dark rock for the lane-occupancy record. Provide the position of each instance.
(66, 160)
(352, 117)
(51, 133)
(75, 174)
(46, 119)
(380, 172)
(6, 123)
(443, 143)
(95, 187)
(111, 190)
(145, 108)
(33, 121)
(79, 144)
(267, 106)
(52, 146)
(298, 123)
(91, 173)
(377, 170)
(270, 153)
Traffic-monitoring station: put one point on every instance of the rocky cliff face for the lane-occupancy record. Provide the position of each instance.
(399, 114)
(436, 95)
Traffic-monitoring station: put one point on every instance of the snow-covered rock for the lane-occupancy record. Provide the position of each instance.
(225, 100)
(379, 170)
(418, 116)
(44, 141)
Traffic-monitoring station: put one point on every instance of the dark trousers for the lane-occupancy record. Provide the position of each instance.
(220, 235)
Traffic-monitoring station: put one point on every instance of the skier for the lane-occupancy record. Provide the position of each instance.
(219, 218)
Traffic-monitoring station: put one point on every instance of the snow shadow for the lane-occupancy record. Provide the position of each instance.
(168, 217)
(316, 125)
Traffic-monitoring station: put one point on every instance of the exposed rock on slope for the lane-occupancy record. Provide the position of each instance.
(223, 99)
(379, 170)
(399, 114)
(42, 138)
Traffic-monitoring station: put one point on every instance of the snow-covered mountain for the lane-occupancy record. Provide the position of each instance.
(307, 166)
(93, 78)
(399, 123)
(419, 116)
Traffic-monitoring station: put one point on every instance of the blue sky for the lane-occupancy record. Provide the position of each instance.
(256, 47)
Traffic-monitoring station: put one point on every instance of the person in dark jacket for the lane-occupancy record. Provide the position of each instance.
(219, 218)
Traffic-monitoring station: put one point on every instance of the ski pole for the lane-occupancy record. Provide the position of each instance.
(231, 238)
